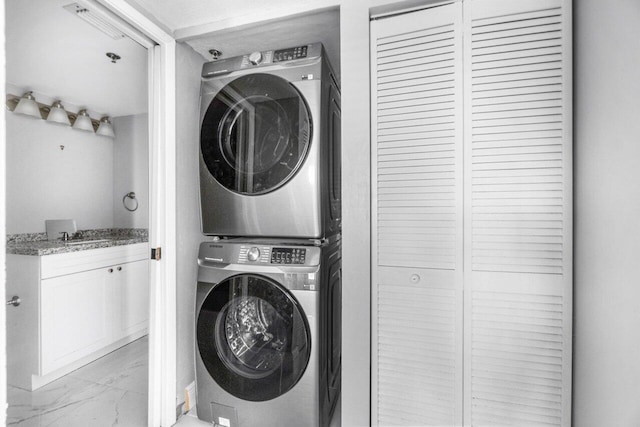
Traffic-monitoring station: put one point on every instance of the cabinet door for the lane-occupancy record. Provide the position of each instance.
(417, 218)
(518, 257)
(131, 288)
(75, 317)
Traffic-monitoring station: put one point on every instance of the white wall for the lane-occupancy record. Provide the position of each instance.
(131, 170)
(188, 216)
(607, 213)
(46, 182)
(356, 265)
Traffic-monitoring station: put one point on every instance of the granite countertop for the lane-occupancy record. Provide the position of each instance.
(36, 244)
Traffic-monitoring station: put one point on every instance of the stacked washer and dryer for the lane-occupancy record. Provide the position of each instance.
(268, 302)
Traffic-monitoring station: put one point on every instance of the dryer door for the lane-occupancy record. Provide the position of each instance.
(253, 337)
(255, 134)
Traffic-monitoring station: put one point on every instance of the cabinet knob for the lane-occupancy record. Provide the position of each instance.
(15, 301)
(119, 268)
(110, 270)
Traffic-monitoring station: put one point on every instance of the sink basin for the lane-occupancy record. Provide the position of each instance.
(82, 242)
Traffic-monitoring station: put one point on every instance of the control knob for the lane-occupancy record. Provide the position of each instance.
(255, 58)
(253, 254)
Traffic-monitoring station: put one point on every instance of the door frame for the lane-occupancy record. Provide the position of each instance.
(3, 229)
(162, 215)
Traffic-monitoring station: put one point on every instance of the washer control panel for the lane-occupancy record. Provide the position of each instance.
(251, 254)
(288, 255)
(259, 253)
(271, 255)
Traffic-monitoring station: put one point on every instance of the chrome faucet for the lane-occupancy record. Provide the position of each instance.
(65, 236)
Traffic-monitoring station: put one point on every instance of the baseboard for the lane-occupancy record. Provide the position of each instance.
(38, 381)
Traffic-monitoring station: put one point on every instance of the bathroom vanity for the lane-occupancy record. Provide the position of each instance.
(78, 302)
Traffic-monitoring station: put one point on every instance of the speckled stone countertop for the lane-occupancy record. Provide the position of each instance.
(37, 244)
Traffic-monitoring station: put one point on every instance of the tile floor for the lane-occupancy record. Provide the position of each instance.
(108, 392)
(112, 391)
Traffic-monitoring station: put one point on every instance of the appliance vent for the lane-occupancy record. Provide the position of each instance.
(95, 20)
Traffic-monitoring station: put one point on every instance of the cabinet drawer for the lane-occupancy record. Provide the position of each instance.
(74, 262)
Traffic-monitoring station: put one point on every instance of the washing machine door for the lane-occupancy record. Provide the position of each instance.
(253, 337)
(255, 134)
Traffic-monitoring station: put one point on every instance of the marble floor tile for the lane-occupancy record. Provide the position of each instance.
(126, 368)
(111, 391)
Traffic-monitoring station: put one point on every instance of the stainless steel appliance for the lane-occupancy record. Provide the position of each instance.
(268, 332)
(270, 145)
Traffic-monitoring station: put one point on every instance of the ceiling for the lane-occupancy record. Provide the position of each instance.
(56, 54)
(241, 27)
(59, 56)
(178, 15)
(321, 27)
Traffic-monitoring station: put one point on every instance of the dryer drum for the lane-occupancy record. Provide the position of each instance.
(270, 142)
(255, 134)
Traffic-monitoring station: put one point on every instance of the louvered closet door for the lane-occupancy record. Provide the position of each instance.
(518, 212)
(417, 218)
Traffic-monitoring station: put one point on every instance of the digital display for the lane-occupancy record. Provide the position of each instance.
(290, 53)
(288, 255)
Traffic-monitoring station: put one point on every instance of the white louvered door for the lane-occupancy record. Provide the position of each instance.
(417, 222)
(518, 222)
(472, 215)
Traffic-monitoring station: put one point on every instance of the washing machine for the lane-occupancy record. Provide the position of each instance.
(268, 340)
(270, 145)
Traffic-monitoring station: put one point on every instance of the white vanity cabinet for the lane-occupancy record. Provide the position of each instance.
(75, 313)
(132, 297)
(75, 308)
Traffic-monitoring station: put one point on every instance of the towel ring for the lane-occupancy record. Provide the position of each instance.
(131, 195)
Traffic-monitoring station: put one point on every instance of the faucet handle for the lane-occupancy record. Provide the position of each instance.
(65, 235)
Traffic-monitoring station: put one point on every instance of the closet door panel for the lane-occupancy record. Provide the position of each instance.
(417, 224)
(518, 242)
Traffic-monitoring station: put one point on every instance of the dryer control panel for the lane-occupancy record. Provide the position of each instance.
(263, 58)
(298, 52)
(273, 56)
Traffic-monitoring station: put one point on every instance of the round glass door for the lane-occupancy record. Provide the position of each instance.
(253, 337)
(255, 134)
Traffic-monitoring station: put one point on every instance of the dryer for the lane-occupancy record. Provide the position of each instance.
(270, 145)
(268, 334)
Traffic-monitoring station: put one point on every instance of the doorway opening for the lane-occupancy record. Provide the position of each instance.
(73, 320)
(161, 140)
